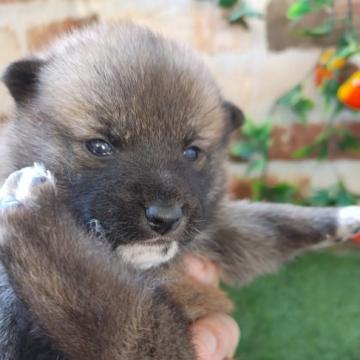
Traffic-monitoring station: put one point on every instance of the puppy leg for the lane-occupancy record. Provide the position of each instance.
(90, 306)
(249, 239)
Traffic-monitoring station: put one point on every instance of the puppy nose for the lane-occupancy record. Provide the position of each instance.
(163, 219)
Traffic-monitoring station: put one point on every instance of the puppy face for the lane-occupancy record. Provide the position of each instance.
(135, 131)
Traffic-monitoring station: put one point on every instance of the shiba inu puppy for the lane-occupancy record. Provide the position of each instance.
(113, 169)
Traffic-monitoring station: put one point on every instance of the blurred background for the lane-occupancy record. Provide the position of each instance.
(293, 67)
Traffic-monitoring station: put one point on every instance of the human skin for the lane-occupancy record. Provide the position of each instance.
(215, 336)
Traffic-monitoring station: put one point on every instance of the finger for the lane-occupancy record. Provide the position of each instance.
(215, 337)
(202, 270)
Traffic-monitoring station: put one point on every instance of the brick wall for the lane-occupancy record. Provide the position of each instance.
(249, 73)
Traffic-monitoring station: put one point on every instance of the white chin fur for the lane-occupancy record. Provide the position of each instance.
(348, 221)
(144, 256)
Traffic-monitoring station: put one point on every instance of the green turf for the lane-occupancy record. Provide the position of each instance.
(308, 311)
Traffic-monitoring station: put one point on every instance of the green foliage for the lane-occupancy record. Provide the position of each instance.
(295, 100)
(300, 8)
(349, 45)
(318, 31)
(279, 193)
(254, 145)
(329, 91)
(258, 297)
(319, 147)
(345, 141)
(240, 11)
(255, 142)
(332, 136)
(227, 3)
(336, 195)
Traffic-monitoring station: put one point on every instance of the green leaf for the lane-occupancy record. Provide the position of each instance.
(298, 9)
(336, 108)
(320, 146)
(302, 107)
(244, 11)
(330, 88)
(320, 198)
(280, 193)
(296, 102)
(325, 3)
(324, 29)
(348, 141)
(242, 149)
(336, 195)
(323, 149)
(257, 190)
(304, 152)
(349, 51)
(290, 96)
(343, 197)
(301, 8)
(227, 3)
(254, 145)
(349, 45)
(256, 165)
(257, 132)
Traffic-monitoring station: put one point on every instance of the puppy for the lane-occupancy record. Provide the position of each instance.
(129, 133)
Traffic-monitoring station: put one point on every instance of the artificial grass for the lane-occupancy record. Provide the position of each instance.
(310, 310)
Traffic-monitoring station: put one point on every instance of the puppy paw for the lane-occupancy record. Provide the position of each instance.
(348, 222)
(22, 187)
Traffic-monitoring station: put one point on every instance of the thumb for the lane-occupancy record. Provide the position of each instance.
(215, 337)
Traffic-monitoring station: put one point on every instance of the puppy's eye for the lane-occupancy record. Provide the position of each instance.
(191, 153)
(99, 147)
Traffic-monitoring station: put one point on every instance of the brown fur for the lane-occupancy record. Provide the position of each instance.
(150, 98)
(128, 317)
(197, 300)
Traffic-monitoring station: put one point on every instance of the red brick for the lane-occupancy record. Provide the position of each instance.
(281, 33)
(240, 188)
(287, 139)
(40, 36)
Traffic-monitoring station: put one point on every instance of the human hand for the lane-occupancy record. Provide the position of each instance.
(215, 336)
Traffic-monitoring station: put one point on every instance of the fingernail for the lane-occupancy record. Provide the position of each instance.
(207, 340)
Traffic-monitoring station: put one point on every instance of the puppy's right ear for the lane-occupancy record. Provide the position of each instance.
(234, 118)
(21, 78)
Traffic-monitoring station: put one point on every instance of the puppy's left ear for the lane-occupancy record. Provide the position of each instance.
(234, 117)
(21, 78)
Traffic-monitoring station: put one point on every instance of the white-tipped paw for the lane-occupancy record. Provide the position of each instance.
(348, 222)
(21, 185)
